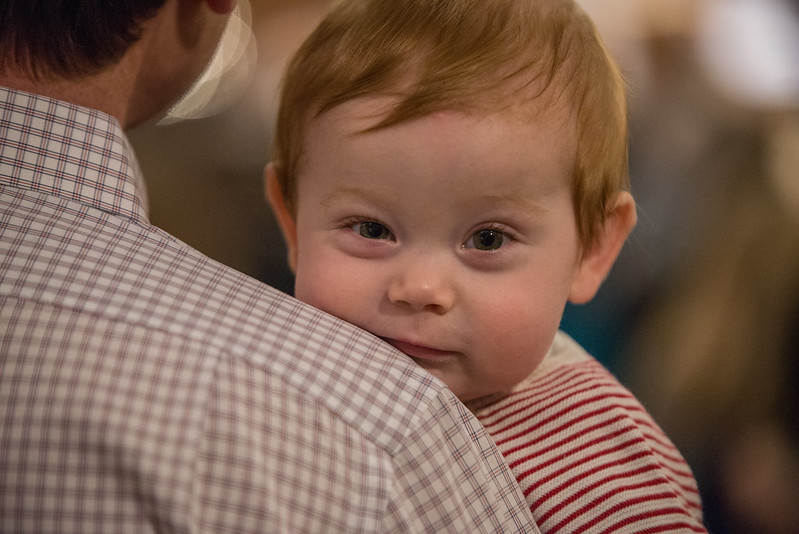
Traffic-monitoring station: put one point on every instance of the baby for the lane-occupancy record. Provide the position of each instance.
(447, 175)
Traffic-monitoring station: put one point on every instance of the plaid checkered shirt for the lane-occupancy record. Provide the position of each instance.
(145, 387)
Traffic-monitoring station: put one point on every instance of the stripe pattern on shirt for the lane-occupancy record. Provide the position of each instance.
(587, 455)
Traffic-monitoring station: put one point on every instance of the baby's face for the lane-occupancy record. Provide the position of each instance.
(451, 237)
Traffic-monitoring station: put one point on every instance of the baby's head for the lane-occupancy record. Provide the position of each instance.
(518, 58)
(449, 173)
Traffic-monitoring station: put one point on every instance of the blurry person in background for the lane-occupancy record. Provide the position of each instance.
(146, 387)
(712, 285)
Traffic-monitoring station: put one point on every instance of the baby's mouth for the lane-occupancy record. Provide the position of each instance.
(420, 353)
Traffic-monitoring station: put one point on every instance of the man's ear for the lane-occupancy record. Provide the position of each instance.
(221, 7)
(597, 261)
(285, 219)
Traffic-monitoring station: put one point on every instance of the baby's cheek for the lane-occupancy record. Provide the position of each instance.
(522, 331)
(316, 290)
(329, 291)
(310, 282)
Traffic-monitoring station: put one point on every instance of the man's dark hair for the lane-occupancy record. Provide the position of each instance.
(69, 38)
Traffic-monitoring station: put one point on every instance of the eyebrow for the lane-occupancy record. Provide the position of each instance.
(344, 192)
(495, 199)
(520, 202)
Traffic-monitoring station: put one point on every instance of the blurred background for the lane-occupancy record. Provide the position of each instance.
(700, 316)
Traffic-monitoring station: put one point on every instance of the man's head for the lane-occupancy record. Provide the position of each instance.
(70, 39)
(130, 58)
(482, 57)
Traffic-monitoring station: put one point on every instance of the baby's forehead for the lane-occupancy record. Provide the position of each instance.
(441, 144)
(375, 112)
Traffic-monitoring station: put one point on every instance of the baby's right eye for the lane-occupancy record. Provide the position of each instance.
(372, 230)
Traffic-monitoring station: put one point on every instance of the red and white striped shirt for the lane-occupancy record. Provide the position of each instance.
(587, 455)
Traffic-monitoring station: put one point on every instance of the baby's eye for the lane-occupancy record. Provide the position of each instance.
(372, 230)
(485, 239)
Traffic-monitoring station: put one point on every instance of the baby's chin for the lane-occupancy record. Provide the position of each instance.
(466, 393)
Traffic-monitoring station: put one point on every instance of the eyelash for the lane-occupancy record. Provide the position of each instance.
(493, 227)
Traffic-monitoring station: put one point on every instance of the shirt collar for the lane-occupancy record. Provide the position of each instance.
(70, 151)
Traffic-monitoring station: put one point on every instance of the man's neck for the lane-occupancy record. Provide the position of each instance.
(100, 91)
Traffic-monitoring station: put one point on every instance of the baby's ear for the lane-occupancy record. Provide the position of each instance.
(598, 260)
(274, 194)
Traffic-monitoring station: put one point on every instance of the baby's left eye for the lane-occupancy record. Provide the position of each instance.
(485, 239)
(372, 230)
